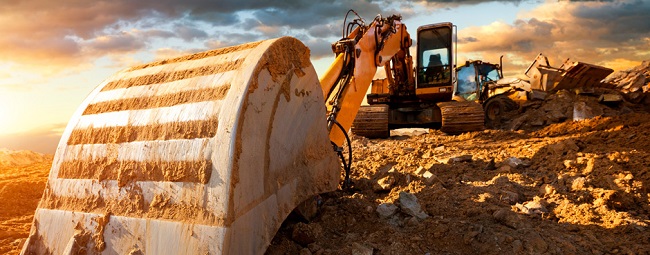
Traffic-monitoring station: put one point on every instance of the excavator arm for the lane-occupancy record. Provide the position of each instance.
(358, 55)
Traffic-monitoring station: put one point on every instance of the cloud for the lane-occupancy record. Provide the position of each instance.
(121, 42)
(69, 32)
(604, 33)
(325, 30)
(319, 48)
(189, 33)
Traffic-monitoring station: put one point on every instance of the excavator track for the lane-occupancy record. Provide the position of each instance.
(461, 117)
(372, 122)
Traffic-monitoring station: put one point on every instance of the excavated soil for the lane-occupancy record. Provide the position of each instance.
(575, 187)
(567, 188)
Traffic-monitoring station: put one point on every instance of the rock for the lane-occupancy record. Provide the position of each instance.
(460, 159)
(384, 184)
(413, 221)
(635, 97)
(578, 183)
(610, 98)
(420, 171)
(517, 122)
(581, 111)
(548, 189)
(359, 249)
(429, 178)
(426, 155)
(491, 165)
(386, 210)
(304, 234)
(409, 205)
(532, 207)
(556, 116)
(385, 169)
(439, 148)
(507, 218)
(509, 197)
(635, 83)
(516, 162)
(308, 208)
(501, 180)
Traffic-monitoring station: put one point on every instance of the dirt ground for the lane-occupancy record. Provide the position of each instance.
(568, 188)
(21, 188)
(564, 188)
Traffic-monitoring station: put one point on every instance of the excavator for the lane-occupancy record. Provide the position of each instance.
(424, 96)
(208, 153)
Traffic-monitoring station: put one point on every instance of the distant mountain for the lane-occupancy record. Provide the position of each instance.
(21, 158)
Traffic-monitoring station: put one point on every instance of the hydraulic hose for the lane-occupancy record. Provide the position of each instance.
(346, 166)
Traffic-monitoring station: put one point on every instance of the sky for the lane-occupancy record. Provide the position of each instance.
(53, 53)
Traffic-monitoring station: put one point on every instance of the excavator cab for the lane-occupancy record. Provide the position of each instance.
(435, 61)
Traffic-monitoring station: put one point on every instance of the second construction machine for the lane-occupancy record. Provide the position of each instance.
(420, 95)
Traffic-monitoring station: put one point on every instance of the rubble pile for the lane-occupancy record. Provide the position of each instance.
(632, 80)
(566, 105)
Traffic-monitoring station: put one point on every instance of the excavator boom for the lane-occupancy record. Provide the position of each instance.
(347, 80)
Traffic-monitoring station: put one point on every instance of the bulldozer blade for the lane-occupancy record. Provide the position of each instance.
(201, 154)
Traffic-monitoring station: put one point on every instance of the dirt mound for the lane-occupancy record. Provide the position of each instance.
(564, 105)
(10, 158)
(572, 187)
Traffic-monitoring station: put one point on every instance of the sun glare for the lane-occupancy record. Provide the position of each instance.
(5, 114)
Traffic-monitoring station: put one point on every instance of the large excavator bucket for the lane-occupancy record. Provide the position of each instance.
(202, 154)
